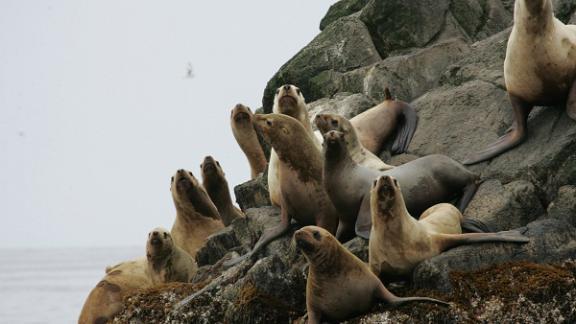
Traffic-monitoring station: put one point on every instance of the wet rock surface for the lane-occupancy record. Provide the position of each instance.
(445, 58)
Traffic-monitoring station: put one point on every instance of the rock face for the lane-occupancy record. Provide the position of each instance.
(445, 57)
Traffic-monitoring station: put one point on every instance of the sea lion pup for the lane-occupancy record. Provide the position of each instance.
(375, 125)
(339, 284)
(167, 262)
(426, 181)
(539, 69)
(328, 122)
(300, 173)
(290, 101)
(106, 299)
(196, 216)
(214, 181)
(245, 135)
(398, 242)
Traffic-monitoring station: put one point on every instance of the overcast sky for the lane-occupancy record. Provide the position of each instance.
(96, 112)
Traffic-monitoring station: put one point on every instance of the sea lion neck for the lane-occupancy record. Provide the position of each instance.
(336, 156)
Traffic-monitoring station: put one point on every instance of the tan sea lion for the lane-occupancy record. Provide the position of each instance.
(300, 173)
(328, 122)
(167, 262)
(106, 299)
(196, 216)
(375, 125)
(245, 135)
(339, 285)
(539, 70)
(426, 181)
(214, 181)
(398, 242)
(289, 101)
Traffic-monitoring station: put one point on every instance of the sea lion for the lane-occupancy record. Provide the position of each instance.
(167, 262)
(196, 216)
(425, 181)
(398, 242)
(290, 101)
(106, 299)
(300, 173)
(539, 69)
(339, 284)
(328, 122)
(214, 181)
(245, 135)
(375, 125)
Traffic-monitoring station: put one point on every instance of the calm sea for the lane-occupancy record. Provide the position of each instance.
(50, 285)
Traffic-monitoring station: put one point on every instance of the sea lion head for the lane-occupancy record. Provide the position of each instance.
(311, 240)
(159, 244)
(211, 168)
(189, 196)
(384, 195)
(289, 101)
(241, 114)
(277, 128)
(328, 122)
(334, 143)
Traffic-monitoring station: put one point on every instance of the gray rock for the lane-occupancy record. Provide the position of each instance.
(480, 19)
(457, 121)
(341, 9)
(564, 206)
(411, 75)
(345, 104)
(547, 158)
(399, 24)
(504, 207)
(343, 46)
(551, 240)
(563, 9)
(253, 193)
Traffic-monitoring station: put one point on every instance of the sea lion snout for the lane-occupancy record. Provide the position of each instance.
(209, 164)
(307, 238)
(241, 113)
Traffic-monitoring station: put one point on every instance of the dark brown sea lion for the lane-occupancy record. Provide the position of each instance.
(339, 285)
(214, 181)
(425, 182)
(539, 69)
(398, 242)
(167, 262)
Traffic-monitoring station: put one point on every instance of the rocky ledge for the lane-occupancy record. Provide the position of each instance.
(446, 58)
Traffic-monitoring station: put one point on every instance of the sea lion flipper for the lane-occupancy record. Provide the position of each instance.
(509, 140)
(406, 130)
(364, 220)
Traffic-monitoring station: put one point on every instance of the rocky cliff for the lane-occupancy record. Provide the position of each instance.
(446, 58)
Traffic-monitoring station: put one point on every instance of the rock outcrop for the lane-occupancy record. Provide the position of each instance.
(445, 57)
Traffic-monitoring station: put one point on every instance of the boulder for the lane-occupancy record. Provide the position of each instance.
(343, 46)
(564, 206)
(505, 207)
(551, 240)
(253, 193)
(341, 9)
(344, 103)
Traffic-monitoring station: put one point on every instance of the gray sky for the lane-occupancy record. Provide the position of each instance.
(96, 113)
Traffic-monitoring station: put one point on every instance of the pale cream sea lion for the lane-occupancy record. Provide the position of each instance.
(196, 216)
(539, 70)
(375, 125)
(289, 101)
(362, 156)
(398, 242)
(339, 285)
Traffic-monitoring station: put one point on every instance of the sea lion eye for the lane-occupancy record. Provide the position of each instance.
(190, 173)
(172, 179)
(374, 183)
(165, 235)
(334, 123)
(268, 122)
(298, 91)
(316, 235)
(278, 91)
(218, 163)
(395, 182)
